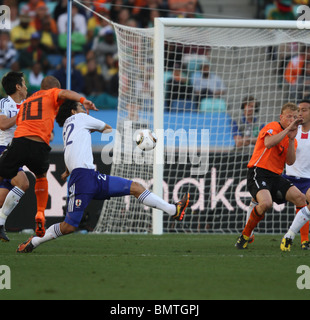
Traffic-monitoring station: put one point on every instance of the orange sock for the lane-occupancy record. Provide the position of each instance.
(304, 231)
(253, 221)
(41, 191)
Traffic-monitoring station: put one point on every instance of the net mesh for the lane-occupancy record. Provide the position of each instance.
(240, 63)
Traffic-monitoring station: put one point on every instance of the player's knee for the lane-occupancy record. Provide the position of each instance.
(266, 205)
(136, 189)
(300, 200)
(21, 181)
(66, 228)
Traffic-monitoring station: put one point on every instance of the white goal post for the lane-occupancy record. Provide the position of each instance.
(196, 127)
(159, 40)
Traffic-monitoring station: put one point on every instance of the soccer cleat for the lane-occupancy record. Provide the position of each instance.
(25, 247)
(251, 239)
(305, 245)
(286, 244)
(180, 207)
(40, 224)
(242, 242)
(3, 236)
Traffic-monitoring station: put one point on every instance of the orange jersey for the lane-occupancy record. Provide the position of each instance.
(272, 159)
(37, 115)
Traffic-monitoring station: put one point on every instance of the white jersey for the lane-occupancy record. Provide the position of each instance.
(301, 167)
(77, 140)
(9, 108)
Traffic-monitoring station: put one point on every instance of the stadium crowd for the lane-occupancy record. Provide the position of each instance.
(36, 43)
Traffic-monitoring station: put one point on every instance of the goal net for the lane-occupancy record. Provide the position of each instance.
(203, 74)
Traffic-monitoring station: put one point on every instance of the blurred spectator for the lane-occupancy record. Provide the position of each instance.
(34, 53)
(77, 80)
(144, 87)
(29, 7)
(179, 92)
(14, 15)
(49, 40)
(95, 23)
(190, 11)
(245, 131)
(295, 66)
(21, 34)
(110, 68)
(123, 16)
(96, 88)
(8, 53)
(82, 66)
(94, 81)
(153, 14)
(145, 16)
(42, 15)
(60, 8)
(104, 43)
(207, 83)
(79, 20)
(35, 78)
(301, 90)
(282, 11)
(78, 41)
(116, 7)
(180, 6)
(114, 79)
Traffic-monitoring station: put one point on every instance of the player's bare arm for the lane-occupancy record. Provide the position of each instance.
(6, 123)
(271, 141)
(72, 95)
(107, 129)
(291, 152)
(65, 174)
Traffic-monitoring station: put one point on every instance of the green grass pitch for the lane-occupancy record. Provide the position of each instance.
(147, 267)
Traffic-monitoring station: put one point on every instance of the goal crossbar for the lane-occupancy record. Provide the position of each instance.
(229, 23)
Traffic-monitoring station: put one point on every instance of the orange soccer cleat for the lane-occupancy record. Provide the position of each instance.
(180, 207)
(25, 247)
(40, 224)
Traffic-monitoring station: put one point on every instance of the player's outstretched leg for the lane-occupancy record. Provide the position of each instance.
(151, 200)
(53, 232)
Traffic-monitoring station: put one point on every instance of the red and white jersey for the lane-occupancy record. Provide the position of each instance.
(8, 108)
(301, 167)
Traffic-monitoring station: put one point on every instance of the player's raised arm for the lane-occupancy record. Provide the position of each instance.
(290, 130)
(72, 95)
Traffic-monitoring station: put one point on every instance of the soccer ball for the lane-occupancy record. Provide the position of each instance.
(146, 140)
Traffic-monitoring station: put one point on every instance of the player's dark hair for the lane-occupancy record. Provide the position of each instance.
(304, 101)
(10, 80)
(64, 111)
